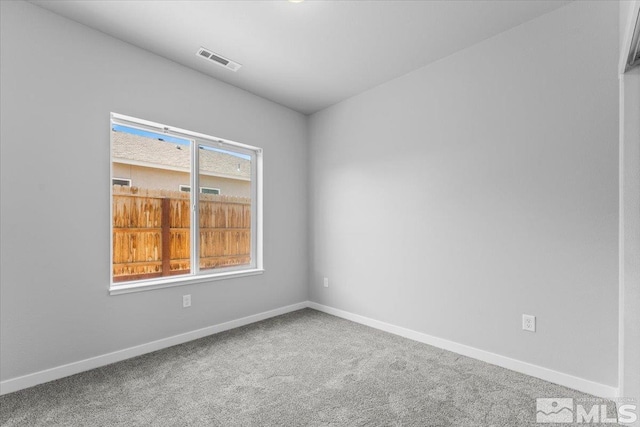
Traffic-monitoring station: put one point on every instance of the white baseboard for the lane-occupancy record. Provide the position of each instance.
(576, 383)
(581, 384)
(30, 380)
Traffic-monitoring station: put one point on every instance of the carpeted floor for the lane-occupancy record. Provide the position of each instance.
(299, 369)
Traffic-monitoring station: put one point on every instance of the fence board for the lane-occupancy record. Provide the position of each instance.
(141, 225)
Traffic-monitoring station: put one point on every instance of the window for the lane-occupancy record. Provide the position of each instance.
(121, 181)
(208, 190)
(162, 233)
(205, 190)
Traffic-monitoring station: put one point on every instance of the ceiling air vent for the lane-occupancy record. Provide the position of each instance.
(217, 59)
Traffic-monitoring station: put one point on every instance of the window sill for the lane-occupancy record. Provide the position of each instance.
(179, 281)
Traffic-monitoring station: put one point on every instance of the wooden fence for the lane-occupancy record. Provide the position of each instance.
(151, 232)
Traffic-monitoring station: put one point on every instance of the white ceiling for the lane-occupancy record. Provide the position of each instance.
(309, 55)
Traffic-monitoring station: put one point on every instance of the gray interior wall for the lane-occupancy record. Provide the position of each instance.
(630, 218)
(458, 197)
(60, 80)
(631, 235)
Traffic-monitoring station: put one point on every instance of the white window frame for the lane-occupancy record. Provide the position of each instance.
(197, 139)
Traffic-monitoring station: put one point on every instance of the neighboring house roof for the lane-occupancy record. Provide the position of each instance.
(142, 151)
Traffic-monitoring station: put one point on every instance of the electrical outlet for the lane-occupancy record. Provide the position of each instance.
(529, 322)
(186, 301)
(326, 282)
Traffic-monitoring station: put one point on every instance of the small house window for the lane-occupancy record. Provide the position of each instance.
(121, 181)
(203, 190)
(209, 190)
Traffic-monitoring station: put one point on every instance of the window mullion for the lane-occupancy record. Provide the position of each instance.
(195, 208)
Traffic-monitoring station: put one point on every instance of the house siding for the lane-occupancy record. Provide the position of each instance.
(162, 179)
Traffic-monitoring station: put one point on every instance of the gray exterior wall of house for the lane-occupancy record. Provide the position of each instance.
(162, 179)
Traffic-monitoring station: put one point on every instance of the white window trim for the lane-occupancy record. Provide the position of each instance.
(257, 211)
(170, 282)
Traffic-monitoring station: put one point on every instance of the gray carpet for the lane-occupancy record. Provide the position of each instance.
(301, 369)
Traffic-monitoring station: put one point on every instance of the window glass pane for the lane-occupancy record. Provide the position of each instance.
(151, 218)
(224, 208)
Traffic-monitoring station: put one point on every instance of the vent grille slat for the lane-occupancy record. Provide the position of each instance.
(217, 59)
